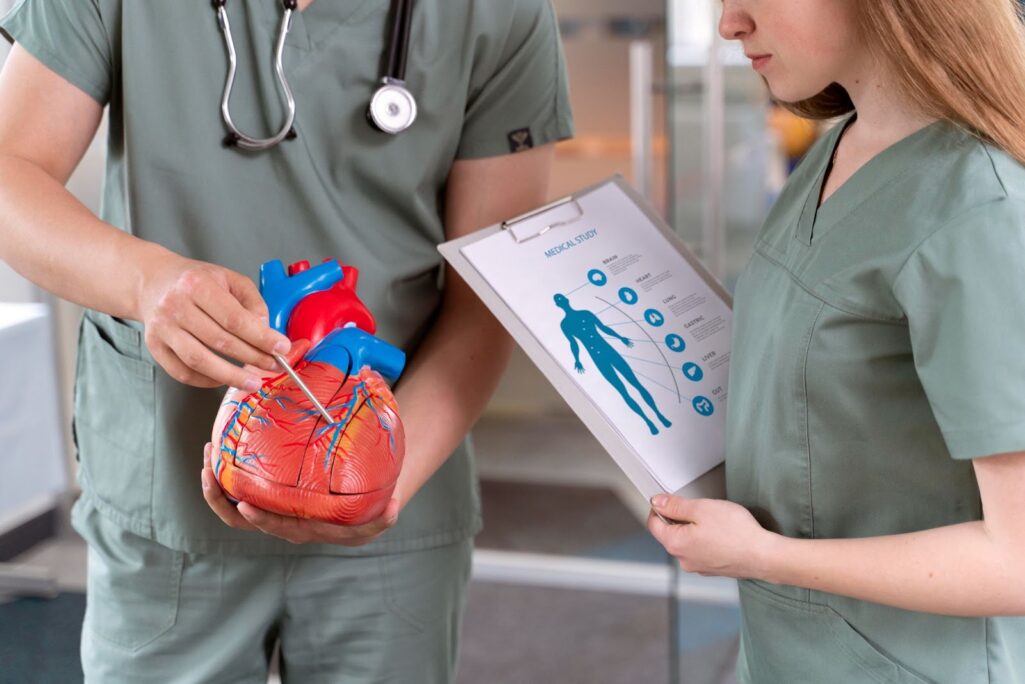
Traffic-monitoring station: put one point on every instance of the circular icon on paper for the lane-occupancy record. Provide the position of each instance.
(654, 318)
(627, 295)
(703, 406)
(597, 277)
(693, 371)
(675, 342)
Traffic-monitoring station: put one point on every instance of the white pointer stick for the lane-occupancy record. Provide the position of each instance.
(283, 362)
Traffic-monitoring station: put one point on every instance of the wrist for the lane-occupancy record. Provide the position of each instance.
(150, 259)
(404, 491)
(767, 558)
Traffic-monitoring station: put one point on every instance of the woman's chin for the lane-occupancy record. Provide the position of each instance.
(789, 93)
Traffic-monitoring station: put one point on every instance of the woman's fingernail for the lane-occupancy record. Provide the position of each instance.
(251, 384)
(282, 347)
(206, 480)
(659, 500)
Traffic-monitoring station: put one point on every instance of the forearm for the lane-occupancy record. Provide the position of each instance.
(453, 374)
(445, 389)
(959, 570)
(54, 241)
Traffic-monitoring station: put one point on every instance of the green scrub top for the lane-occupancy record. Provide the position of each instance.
(489, 79)
(876, 351)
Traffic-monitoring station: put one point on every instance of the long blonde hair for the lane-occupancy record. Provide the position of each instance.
(959, 60)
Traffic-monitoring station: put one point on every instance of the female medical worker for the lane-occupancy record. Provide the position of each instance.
(876, 420)
(174, 593)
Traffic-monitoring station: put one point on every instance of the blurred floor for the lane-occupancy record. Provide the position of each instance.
(524, 635)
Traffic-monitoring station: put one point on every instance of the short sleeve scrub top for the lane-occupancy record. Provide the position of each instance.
(489, 78)
(877, 350)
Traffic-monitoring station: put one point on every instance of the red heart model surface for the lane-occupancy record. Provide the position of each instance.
(273, 448)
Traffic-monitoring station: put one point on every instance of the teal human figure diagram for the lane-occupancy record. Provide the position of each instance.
(582, 327)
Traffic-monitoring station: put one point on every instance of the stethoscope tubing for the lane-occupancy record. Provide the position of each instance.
(399, 50)
(393, 93)
(237, 137)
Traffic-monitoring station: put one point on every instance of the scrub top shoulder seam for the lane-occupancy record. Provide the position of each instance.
(996, 171)
(941, 230)
(1010, 191)
(108, 22)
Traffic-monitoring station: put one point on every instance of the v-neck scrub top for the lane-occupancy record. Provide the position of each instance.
(878, 348)
(489, 79)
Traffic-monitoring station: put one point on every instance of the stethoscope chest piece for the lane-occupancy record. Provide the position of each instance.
(392, 108)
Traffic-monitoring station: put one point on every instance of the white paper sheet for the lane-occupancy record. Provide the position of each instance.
(653, 337)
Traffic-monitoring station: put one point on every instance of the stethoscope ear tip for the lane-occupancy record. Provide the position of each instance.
(230, 140)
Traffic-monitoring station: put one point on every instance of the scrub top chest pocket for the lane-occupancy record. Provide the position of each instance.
(114, 421)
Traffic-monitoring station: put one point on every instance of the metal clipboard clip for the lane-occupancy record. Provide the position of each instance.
(521, 228)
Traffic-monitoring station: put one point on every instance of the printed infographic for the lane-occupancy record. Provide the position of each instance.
(626, 316)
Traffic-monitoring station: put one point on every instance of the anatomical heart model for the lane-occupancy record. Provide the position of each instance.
(273, 448)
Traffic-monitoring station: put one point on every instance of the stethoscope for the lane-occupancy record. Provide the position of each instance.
(392, 109)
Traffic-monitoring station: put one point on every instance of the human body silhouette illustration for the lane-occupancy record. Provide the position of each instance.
(586, 327)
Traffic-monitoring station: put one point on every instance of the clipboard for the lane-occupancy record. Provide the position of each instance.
(546, 222)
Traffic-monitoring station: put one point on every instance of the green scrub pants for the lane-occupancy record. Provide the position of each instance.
(158, 615)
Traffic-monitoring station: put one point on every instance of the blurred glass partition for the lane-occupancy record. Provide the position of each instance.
(724, 167)
(599, 39)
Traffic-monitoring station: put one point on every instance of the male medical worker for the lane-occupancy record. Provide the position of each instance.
(182, 589)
